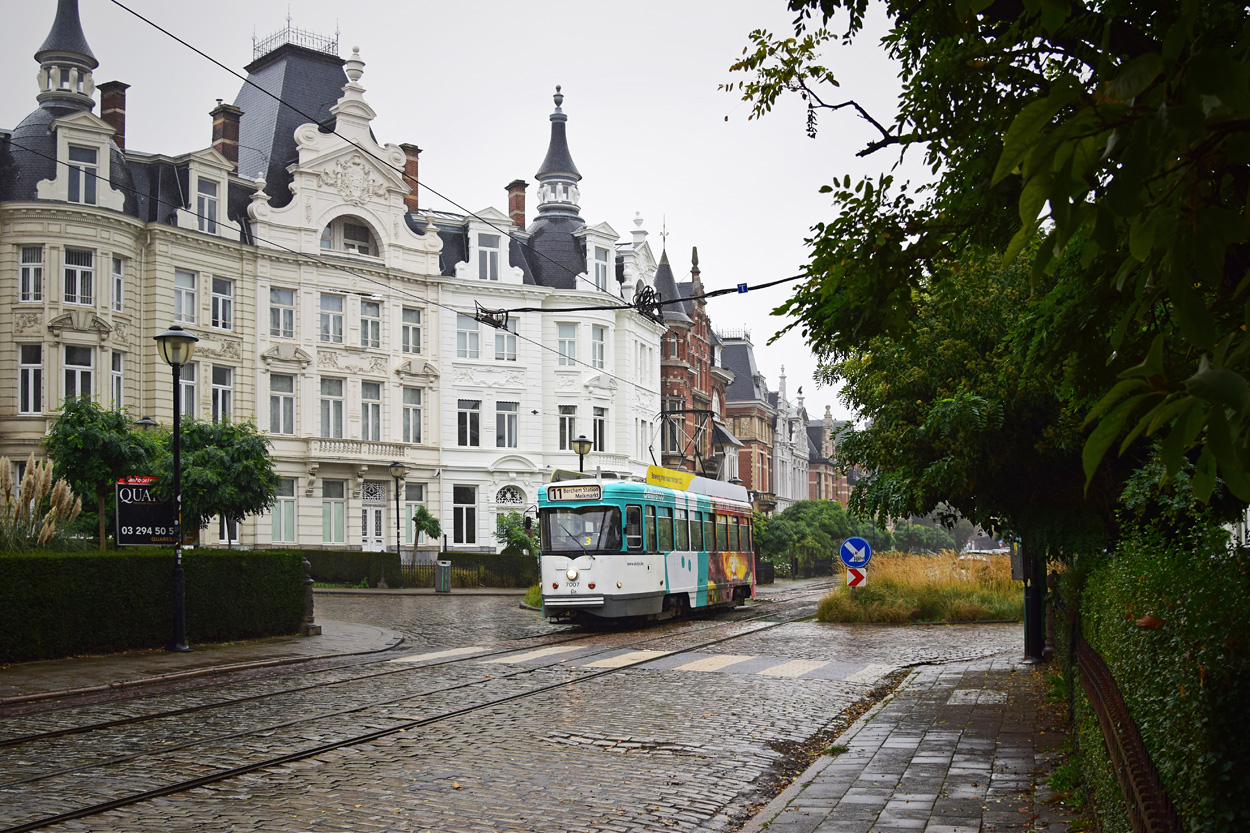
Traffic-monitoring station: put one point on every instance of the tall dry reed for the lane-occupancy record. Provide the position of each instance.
(37, 512)
(947, 587)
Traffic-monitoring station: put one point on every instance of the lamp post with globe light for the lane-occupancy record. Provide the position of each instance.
(177, 346)
(397, 472)
(582, 446)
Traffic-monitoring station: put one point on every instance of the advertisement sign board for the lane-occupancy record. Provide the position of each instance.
(142, 520)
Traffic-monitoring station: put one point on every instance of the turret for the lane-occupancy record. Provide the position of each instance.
(558, 176)
(65, 62)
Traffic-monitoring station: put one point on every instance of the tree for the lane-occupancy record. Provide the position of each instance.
(964, 418)
(91, 447)
(226, 472)
(511, 532)
(425, 524)
(1119, 133)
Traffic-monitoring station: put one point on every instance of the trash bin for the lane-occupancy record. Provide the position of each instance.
(442, 576)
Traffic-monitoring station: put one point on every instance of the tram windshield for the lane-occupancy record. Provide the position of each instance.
(582, 530)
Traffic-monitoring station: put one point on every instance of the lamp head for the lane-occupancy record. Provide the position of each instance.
(176, 345)
(398, 469)
(582, 445)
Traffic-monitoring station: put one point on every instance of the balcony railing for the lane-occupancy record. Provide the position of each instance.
(355, 449)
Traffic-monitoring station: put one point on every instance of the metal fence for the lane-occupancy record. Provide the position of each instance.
(479, 575)
(1149, 808)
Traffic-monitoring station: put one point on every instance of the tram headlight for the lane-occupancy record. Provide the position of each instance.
(571, 574)
(618, 585)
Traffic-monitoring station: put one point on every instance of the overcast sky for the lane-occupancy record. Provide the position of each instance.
(471, 84)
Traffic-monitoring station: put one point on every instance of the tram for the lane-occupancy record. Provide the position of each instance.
(613, 549)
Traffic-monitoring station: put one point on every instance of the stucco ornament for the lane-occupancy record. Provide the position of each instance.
(353, 179)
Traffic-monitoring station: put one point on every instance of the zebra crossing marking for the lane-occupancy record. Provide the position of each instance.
(793, 668)
(626, 659)
(450, 652)
(529, 656)
(715, 662)
(869, 673)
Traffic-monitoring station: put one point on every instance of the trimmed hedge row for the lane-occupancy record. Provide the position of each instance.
(64, 604)
(1184, 672)
(353, 567)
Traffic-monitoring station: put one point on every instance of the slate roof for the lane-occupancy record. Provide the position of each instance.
(558, 256)
(66, 34)
(686, 290)
(815, 440)
(308, 81)
(667, 287)
(739, 356)
(29, 156)
(558, 159)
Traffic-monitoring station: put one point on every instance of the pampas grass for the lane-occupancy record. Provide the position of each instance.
(948, 587)
(36, 513)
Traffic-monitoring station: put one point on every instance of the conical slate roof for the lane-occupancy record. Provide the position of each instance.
(67, 35)
(558, 160)
(667, 287)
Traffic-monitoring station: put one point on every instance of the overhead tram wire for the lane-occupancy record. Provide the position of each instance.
(334, 265)
(313, 120)
(421, 184)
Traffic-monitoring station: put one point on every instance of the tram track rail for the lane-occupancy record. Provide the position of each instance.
(360, 738)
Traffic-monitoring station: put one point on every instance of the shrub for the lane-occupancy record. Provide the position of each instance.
(63, 604)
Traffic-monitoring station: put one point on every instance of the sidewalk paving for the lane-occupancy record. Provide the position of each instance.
(959, 748)
(59, 678)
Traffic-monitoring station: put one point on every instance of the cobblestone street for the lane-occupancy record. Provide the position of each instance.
(489, 718)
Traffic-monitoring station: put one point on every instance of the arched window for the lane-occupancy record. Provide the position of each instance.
(511, 496)
(349, 234)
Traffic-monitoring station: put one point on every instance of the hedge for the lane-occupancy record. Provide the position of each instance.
(469, 569)
(1184, 672)
(64, 604)
(354, 566)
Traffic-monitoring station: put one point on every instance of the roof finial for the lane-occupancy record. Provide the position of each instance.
(559, 99)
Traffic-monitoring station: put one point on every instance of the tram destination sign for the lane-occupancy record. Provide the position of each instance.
(142, 520)
(575, 492)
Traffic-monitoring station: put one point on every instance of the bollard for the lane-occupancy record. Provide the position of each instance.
(307, 627)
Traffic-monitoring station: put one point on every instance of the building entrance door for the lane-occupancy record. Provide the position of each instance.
(372, 520)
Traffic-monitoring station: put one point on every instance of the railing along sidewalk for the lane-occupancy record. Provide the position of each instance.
(1149, 808)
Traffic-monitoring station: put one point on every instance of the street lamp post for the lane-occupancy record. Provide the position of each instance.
(177, 346)
(582, 446)
(397, 472)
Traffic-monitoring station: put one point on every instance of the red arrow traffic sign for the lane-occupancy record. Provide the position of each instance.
(855, 576)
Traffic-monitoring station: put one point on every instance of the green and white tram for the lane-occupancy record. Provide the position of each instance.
(618, 548)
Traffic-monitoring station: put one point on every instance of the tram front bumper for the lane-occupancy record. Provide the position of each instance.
(573, 601)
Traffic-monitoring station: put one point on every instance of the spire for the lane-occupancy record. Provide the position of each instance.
(558, 176)
(65, 62)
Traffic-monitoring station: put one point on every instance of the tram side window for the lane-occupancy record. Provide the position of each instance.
(746, 536)
(722, 533)
(665, 527)
(682, 531)
(709, 532)
(696, 531)
(733, 534)
(650, 532)
(633, 528)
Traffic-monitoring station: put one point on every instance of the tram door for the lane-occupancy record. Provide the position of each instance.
(372, 509)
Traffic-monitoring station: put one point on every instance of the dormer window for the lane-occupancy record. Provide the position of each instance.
(83, 170)
(601, 268)
(346, 236)
(488, 257)
(206, 205)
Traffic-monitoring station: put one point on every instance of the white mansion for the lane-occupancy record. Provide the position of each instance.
(333, 312)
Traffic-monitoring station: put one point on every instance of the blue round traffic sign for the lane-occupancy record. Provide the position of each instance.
(855, 552)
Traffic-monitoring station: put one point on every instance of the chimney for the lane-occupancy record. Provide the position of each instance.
(516, 201)
(113, 109)
(226, 131)
(411, 152)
